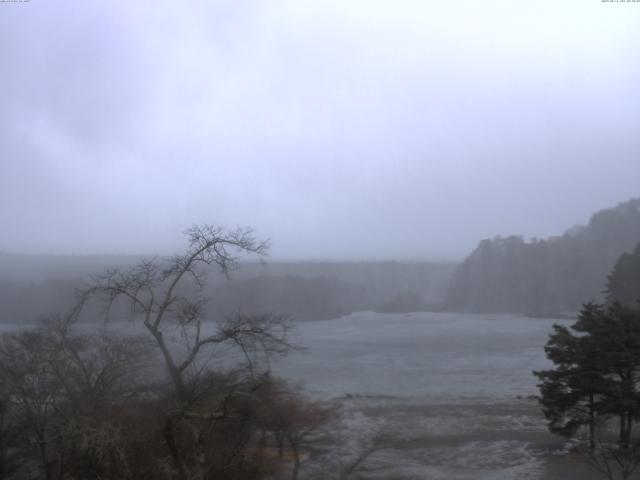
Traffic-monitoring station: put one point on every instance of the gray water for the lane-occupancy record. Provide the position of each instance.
(455, 392)
(434, 356)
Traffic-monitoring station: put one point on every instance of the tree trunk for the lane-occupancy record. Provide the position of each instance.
(3, 460)
(623, 440)
(168, 433)
(592, 424)
(280, 442)
(44, 458)
(296, 461)
(172, 369)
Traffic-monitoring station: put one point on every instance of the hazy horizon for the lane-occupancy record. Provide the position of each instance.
(339, 130)
(301, 259)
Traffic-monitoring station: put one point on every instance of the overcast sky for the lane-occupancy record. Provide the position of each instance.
(340, 129)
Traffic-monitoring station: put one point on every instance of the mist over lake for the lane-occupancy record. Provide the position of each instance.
(320, 240)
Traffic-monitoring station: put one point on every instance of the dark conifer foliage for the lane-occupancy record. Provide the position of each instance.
(595, 375)
(623, 284)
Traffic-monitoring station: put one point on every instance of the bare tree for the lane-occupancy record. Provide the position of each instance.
(296, 423)
(348, 457)
(613, 461)
(32, 393)
(96, 405)
(374, 442)
(62, 396)
(167, 295)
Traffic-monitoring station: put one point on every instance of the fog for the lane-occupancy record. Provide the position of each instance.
(319, 239)
(341, 130)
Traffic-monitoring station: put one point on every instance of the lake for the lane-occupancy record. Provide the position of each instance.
(451, 388)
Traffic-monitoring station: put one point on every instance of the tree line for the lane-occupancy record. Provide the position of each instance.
(33, 286)
(556, 275)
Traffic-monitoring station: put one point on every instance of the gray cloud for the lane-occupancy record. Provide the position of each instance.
(339, 129)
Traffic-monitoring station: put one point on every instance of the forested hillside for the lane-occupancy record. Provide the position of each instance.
(555, 275)
(32, 287)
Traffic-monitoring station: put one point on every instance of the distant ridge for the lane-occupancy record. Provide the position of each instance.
(509, 275)
(34, 286)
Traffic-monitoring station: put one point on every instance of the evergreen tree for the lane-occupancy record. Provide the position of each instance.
(618, 337)
(624, 281)
(572, 393)
(597, 361)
